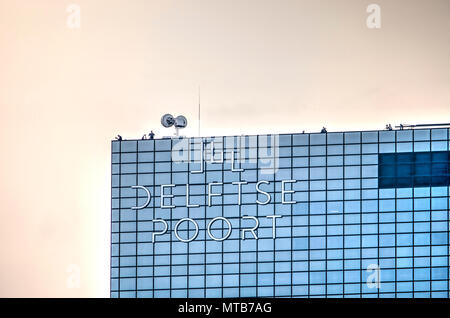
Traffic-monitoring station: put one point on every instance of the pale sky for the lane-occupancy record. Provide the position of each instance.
(264, 66)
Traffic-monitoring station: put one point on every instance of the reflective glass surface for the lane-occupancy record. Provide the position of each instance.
(350, 214)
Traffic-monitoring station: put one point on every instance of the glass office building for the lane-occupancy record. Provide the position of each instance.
(348, 214)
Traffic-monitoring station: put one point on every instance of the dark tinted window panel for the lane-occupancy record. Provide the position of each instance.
(439, 169)
(386, 159)
(390, 170)
(439, 181)
(403, 157)
(414, 169)
(419, 182)
(404, 170)
(385, 183)
(423, 169)
(440, 156)
(403, 182)
(422, 157)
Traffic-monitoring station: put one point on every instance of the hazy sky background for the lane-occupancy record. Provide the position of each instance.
(263, 67)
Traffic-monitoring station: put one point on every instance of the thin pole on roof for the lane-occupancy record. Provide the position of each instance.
(199, 110)
(401, 126)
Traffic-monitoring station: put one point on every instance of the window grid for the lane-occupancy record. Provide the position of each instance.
(311, 285)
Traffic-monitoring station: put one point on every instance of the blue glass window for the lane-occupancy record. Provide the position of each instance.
(414, 169)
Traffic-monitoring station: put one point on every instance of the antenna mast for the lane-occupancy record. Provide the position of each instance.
(199, 110)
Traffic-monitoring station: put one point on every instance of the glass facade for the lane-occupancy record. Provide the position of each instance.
(351, 214)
